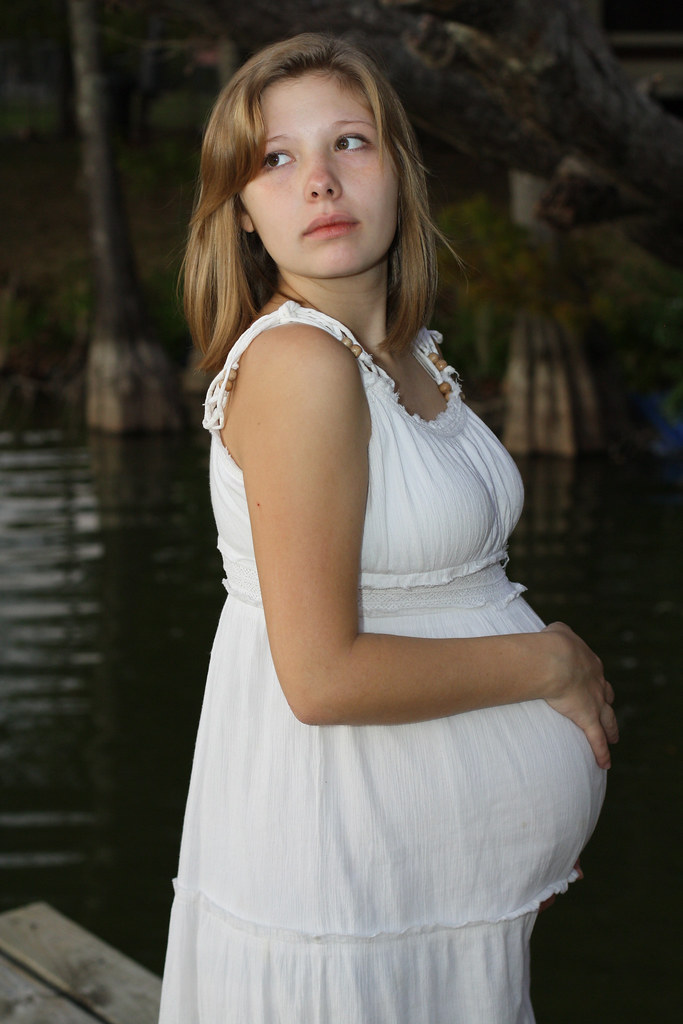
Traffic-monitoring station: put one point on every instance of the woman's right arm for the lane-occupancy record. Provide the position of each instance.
(298, 425)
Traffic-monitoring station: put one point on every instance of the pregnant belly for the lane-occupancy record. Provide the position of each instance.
(470, 818)
(379, 829)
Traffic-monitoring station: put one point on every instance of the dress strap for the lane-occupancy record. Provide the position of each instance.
(288, 313)
(426, 351)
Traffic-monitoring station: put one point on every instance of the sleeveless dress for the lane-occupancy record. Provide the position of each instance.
(375, 874)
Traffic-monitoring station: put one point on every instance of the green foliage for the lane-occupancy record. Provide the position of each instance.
(40, 330)
(639, 303)
(31, 19)
(593, 277)
(168, 160)
(21, 117)
(46, 299)
(186, 106)
(505, 270)
(166, 311)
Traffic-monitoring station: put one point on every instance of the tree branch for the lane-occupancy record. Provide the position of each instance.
(523, 83)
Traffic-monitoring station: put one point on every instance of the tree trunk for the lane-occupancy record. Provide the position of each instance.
(551, 405)
(130, 384)
(228, 59)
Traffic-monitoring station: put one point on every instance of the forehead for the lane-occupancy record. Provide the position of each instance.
(311, 98)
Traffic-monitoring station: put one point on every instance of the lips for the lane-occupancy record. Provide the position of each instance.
(331, 225)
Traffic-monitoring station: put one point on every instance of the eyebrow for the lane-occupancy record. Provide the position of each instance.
(335, 124)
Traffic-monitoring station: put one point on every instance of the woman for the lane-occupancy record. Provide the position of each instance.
(396, 763)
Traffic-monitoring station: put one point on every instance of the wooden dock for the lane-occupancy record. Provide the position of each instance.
(54, 972)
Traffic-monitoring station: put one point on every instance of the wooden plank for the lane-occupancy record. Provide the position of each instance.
(75, 963)
(25, 1000)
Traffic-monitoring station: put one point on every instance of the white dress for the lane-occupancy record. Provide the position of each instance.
(375, 874)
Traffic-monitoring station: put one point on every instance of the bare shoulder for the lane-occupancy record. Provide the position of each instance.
(295, 375)
(298, 350)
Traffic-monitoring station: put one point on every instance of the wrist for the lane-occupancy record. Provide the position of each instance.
(552, 654)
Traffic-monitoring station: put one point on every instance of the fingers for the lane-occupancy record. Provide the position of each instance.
(584, 695)
(596, 736)
(601, 734)
(546, 903)
(558, 627)
(608, 721)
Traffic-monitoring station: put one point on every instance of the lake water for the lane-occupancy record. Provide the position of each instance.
(110, 589)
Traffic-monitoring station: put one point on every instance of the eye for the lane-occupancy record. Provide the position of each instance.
(351, 142)
(273, 160)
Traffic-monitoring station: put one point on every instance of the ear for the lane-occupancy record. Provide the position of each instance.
(246, 223)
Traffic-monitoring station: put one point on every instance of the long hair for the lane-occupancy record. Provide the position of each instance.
(228, 275)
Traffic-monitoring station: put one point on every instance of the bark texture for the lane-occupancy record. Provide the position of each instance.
(551, 399)
(130, 385)
(524, 83)
(551, 403)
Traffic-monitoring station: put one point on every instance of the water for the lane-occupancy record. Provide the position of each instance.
(109, 595)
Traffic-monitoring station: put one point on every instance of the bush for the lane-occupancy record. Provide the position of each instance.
(594, 277)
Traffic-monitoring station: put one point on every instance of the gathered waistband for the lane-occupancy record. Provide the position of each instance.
(488, 586)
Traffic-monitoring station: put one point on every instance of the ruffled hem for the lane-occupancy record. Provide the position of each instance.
(434, 577)
(451, 419)
(215, 972)
(200, 901)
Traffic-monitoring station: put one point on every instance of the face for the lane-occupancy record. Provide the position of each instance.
(324, 204)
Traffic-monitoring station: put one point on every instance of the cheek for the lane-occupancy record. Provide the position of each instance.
(387, 190)
(264, 210)
(389, 204)
(271, 227)
(254, 201)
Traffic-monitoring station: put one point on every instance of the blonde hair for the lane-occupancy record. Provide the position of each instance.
(228, 275)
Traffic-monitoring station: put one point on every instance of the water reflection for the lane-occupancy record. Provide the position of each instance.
(600, 547)
(109, 594)
(50, 616)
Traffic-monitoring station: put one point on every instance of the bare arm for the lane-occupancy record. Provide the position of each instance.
(298, 425)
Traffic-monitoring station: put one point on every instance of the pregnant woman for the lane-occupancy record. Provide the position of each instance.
(396, 762)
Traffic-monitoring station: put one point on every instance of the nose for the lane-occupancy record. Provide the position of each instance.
(322, 183)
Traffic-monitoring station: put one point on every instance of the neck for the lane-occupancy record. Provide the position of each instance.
(360, 305)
